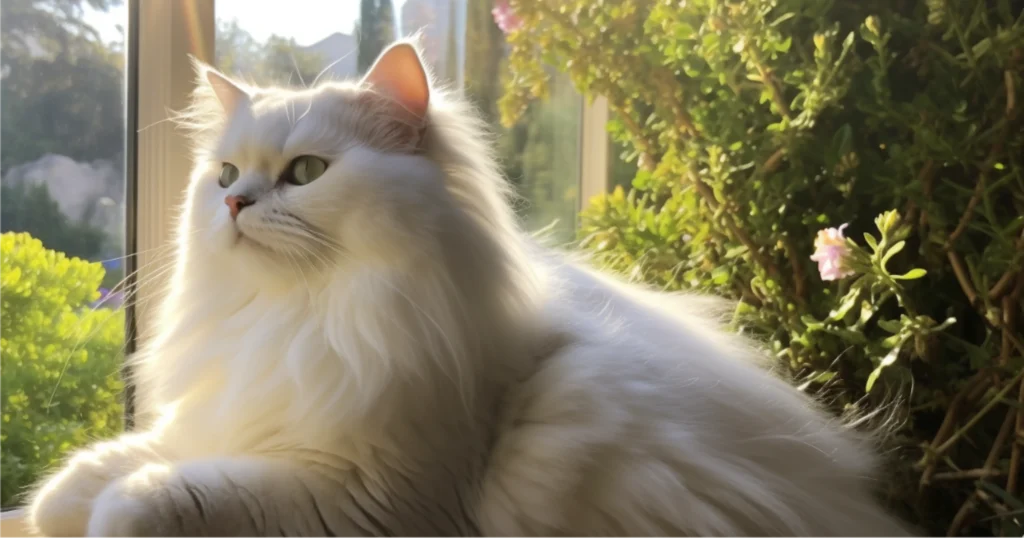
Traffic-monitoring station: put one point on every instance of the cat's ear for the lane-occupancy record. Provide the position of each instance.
(230, 93)
(399, 74)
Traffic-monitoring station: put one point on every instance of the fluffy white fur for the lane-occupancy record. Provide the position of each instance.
(382, 352)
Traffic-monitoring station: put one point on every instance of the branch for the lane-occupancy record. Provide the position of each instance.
(1003, 285)
(1015, 453)
(769, 81)
(961, 277)
(799, 278)
(1011, 94)
(979, 415)
(773, 162)
(948, 422)
(987, 471)
(709, 196)
(965, 219)
(641, 141)
(924, 176)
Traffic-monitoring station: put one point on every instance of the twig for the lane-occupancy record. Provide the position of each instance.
(948, 423)
(924, 177)
(965, 219)
(799, 278)
(773, 162)
(769, 81)
(968, 474)
(1011, 94)
(985, 472)
(1004, 283)
(709, 196)
(961, 514)
(1015, 453)
(1009, 323)
(929, 185)
(979, 415)
(961, 277)
(683, 121)
(644, 146)
(997, 445)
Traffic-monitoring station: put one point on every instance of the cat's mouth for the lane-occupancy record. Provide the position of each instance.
(243, 239)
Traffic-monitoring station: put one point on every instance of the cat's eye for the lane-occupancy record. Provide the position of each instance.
(228, 175)
(304, 170)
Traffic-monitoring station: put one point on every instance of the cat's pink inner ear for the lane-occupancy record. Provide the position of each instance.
(228, 93)
(399, 73)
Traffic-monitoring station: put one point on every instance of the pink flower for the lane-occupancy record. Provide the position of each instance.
(504, 17)
(830, 251)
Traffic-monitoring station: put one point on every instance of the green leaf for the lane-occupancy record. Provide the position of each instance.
(893, 250)
(912, 274)
(720, 275)
(888, 360)
(783, 18)
(846, 305)
(890, 325)
(871, 241)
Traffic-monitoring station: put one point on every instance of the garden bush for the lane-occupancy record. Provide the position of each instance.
(59, 360)
(883, 138)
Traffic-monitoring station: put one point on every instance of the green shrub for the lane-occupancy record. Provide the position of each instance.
(755, 125)
(59, 360)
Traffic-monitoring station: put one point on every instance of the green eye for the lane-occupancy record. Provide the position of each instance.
(228, 175)
(304, 170)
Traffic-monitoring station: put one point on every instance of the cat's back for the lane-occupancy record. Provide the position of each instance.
(647, 419)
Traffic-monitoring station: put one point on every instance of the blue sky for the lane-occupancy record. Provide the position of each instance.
(308, 21)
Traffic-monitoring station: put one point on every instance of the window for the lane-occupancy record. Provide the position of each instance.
(63, 244)
(540, 155)
(75, 223)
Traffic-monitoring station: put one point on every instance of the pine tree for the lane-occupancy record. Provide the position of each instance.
(369, 45)
(385, 23)
(375, 31)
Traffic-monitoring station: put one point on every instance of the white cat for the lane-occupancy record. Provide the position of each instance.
(359, 341)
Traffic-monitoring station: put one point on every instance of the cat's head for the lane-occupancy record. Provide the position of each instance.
(289, 182)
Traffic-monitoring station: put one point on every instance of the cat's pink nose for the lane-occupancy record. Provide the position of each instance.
(236, 203)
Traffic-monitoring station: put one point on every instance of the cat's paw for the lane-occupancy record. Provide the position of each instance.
(136, 505)
(129, 507)
(62, 506)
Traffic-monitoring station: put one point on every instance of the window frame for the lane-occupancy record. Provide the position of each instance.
(158, 79)
(161, 37)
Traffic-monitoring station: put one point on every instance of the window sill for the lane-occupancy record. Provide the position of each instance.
(12, 523)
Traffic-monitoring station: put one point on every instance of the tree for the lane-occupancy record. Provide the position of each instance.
(61, 94)
(278, 61)
(60, 361)
(375, 31)
(62, 87)
(485, 58)
(30, 208)
(757, 124)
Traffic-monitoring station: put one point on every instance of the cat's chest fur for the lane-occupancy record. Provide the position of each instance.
(287, 371)
(264, 373)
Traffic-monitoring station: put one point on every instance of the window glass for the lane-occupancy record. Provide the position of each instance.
(464, 45)
(62, 192)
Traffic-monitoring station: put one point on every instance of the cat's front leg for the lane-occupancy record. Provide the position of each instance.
(224, 497)
(63, 504)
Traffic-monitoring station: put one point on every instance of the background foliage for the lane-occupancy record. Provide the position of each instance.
(374, 31)
(754, 125)
(59, 360)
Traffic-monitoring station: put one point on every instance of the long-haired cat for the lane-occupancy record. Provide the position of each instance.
(359, 341)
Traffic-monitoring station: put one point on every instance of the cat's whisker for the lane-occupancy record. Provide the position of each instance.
(83, 340)
(329, 66)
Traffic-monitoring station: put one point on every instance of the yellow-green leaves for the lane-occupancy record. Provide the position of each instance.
(59, 359)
